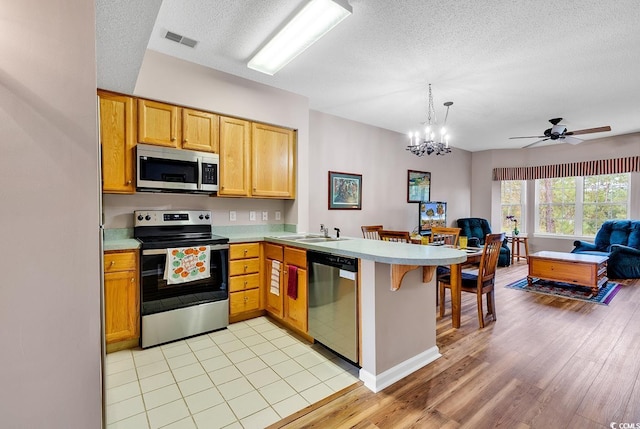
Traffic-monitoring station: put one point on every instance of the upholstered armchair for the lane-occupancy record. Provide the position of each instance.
(475, 229)
(620, 241)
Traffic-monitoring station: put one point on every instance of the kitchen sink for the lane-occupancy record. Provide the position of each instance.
(311, 238)
(318, 239)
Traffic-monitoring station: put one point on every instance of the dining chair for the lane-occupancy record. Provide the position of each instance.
(444, 235)
(371, 231)
(397, 236)
(481, 283)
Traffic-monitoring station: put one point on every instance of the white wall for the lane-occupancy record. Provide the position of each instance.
(342, 145)
(118, 209)
(485, 193)
(50, 363)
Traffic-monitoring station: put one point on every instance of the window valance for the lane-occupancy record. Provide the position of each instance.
(584, 168)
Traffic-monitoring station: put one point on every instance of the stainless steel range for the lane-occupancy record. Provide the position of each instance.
(183, 275)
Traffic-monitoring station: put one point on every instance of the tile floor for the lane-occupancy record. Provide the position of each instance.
(250, 375)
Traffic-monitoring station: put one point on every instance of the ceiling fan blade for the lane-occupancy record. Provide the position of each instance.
(571, 140)
(588, 131)
(528, 137)
(531, 144)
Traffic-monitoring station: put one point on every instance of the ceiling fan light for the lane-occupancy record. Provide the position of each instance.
(316, 19)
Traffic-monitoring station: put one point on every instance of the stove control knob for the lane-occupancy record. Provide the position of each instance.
(206, 216)
(201, 217)
(147, 217)
(140, 217)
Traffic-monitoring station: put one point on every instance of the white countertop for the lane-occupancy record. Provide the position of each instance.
(381, 251)
(375, 250)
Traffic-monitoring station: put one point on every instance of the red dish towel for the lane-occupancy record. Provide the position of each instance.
(292, 287)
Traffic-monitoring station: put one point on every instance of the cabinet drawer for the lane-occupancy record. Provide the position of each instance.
(244, 250)
(297, 257)
(273, 251)
(250, 281)
(244, 301)
(244, 266)
(120, 261)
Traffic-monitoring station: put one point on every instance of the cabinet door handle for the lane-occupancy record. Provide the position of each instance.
(128, 182)
(133, 279)
(186, 140)
(112, 263)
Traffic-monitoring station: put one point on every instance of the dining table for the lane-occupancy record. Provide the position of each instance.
(474, 255)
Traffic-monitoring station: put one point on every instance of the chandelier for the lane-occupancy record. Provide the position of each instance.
(429, 144)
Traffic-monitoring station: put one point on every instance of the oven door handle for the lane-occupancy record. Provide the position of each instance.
(164, 251)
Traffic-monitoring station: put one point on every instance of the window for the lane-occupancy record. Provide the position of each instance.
(605, 197)
(579, 205)
(512, 195)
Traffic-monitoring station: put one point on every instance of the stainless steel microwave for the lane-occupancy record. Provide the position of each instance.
(163, 169)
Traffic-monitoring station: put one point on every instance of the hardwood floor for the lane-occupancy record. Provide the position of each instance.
(546, 362)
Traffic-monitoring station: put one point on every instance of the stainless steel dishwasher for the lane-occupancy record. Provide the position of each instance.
(333, 318)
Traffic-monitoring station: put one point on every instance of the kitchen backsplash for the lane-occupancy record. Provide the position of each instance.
(118, 209)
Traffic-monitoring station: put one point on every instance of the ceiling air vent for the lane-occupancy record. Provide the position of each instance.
(181, 39)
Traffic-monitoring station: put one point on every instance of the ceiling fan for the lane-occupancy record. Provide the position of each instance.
(559, 132)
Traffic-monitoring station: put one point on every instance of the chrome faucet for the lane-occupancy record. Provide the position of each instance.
(324, 230)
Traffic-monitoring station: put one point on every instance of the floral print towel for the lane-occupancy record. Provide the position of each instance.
(187, 264)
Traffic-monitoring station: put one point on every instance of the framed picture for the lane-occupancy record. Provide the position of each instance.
(345, 191)
(419, 186)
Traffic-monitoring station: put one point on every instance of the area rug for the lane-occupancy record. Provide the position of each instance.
(566, 290)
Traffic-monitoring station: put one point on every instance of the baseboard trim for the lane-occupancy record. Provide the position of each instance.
(376, 383)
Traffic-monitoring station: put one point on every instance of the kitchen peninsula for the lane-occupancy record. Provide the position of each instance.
(398, 313)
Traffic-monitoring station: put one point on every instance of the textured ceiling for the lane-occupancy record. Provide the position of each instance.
(507, 65)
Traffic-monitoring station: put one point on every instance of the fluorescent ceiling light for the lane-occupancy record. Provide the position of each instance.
(309, 25)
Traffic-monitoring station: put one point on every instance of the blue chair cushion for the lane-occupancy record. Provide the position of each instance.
(620, 241)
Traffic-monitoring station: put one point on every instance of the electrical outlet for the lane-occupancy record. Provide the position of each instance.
(265, 215)
(252, 215)
(278, 215)
(232, 215)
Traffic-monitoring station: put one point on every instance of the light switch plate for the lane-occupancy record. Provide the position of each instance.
(265, 215)
(252, 215)
(278, 215)
(232, 215)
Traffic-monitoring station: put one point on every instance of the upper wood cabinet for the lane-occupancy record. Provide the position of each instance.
(158, 123)
(200, 130)
(272, 161)
(172, 126)
(235, 141)
(256, 160)
(117, 142)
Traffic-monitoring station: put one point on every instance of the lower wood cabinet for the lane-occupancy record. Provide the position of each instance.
(121, 299)
(292, 311)
(245, 292)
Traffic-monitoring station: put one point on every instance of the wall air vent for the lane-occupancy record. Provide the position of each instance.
(181, 39)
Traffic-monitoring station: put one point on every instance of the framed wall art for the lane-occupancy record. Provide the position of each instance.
(418, 186)
(345, 191)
